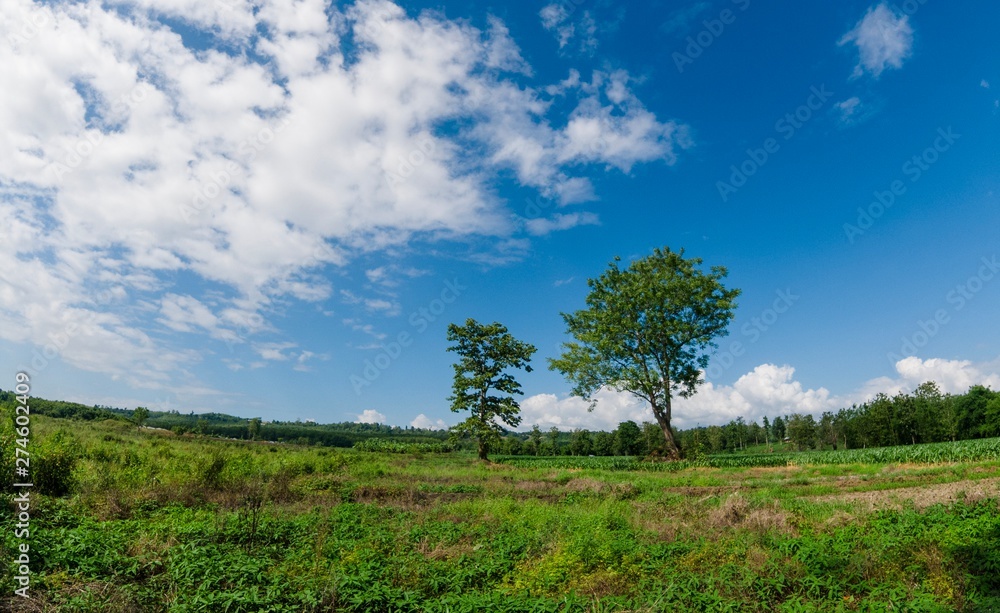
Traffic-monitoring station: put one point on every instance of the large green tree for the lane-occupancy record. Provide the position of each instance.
(648, 329)
(486, 353)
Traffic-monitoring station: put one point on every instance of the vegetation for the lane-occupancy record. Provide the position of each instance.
(648, 330)
(485, 354)
(155, 522)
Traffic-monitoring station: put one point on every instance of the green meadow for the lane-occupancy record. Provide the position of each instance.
(129, 520)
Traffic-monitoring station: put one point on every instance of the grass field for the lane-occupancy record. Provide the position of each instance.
(157, 522)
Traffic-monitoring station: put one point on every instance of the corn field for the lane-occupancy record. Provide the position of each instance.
(959, 451)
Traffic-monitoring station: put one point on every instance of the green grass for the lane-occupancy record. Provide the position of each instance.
(156, 522)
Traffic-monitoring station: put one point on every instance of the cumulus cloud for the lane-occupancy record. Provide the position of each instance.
(426, 423)
(768, 390)
(370, 416)
(884, 39)
(132, 157)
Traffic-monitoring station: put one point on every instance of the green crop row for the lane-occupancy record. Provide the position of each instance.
(959, 451)
(387, 446)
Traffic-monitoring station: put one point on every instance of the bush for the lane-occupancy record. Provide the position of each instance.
(210, 472)
(52, 465)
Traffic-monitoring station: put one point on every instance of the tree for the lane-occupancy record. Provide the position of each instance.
(802, 431)
(581, 443)
(928, 401)
(628, 438)
(648, 329)
(825, 430)
(604, 444)
(139, 416)
(992, 425)
(534, 440)
(485, 354)
(652, 438)
(716, 438)
(778, 428)
(253, 428)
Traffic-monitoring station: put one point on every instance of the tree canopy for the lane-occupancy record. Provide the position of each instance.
(485, 355)
(648, 329)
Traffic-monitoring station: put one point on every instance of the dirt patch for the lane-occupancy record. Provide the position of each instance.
(592, 486)
(534, 486)
(920, 496)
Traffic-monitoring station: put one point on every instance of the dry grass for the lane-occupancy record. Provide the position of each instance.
(738, 512)
(920, 496)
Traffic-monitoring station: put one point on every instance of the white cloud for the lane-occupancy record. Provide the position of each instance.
(273, 351)
(542, 226)
(984, 84)
(884, 39)
(558, 20)
(768, 390)
(301, 362)
(370, 416)
(422, 421)
(129, 159)
(848, 109)
(554, 17)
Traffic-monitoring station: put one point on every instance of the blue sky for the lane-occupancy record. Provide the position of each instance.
(241, 208)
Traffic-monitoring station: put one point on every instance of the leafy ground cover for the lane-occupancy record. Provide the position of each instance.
(150, 521)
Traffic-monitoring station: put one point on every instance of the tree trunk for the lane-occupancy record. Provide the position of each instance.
(673, 452)
(482, 451)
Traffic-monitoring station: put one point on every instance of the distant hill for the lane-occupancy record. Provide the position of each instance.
(343, 434)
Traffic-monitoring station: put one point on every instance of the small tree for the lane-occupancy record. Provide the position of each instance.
(139, 416)
(649, 330)
(535, 440)
(485, 354)
(253, 428)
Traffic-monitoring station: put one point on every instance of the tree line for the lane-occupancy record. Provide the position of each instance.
(924, 416)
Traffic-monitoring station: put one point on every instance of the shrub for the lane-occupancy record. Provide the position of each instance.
(53, 464)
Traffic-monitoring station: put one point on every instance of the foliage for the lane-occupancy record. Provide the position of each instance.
(961, 451)
(485, 354)
(139, 416)
(648, 329)
(52, 465)
(383, 446)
